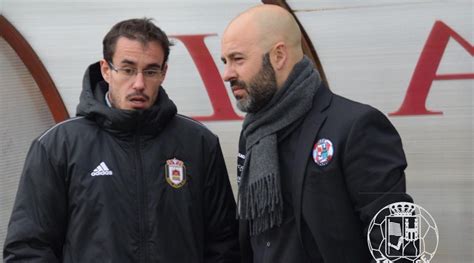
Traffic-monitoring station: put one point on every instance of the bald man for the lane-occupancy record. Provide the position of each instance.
(313, 167)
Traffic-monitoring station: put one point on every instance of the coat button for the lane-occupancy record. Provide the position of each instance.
(268, 244)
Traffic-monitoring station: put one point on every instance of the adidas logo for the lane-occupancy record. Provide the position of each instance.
(102, 169)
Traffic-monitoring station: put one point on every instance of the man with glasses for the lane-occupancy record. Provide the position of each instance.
(314, 167)
(129, 179)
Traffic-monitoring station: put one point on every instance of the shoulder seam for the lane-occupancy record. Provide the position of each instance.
(196, 122)
(190, 119)
(58, 124)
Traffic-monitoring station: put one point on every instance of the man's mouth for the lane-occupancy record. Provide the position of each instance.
(138, 101)
(238, 89)
(238, 92)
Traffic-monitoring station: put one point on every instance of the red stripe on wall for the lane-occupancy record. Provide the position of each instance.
(36, 69)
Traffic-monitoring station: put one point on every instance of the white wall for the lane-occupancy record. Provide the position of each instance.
(24, 115)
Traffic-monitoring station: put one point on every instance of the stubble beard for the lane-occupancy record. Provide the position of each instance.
(260, 88)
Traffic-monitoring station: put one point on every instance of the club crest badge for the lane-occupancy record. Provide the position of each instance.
(323, 151)
(175, 173)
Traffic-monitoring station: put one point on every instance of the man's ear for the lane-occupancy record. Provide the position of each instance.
(279, 55)
(105, 70)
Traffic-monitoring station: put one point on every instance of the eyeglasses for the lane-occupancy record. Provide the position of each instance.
(128, 72)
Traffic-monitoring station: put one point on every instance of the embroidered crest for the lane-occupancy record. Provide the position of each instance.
(323, 152)
(175, 173)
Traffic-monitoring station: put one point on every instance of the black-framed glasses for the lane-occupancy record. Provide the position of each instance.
(130, 72)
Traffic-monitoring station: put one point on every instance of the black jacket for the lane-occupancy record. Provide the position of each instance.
(97, 188)
(333, 204)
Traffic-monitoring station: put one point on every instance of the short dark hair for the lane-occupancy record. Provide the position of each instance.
(141, 29)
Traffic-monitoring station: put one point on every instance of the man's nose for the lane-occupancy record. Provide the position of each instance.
(229, 73)
(139, 81)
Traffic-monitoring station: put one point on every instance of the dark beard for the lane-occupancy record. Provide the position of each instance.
(260, 88)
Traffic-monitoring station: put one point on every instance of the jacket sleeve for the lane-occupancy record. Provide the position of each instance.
(221, 225)
(374, 165)
(37, 225)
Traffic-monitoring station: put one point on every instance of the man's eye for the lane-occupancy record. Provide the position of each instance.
(129, 71)
(150, 73)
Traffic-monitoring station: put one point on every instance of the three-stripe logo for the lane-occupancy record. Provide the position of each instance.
(101, 170)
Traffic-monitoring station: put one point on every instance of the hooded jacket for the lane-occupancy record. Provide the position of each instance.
(123, 186)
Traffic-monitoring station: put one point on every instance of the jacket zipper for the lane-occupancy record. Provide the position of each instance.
(142, 213)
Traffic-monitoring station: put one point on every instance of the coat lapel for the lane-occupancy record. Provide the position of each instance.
(309, 131)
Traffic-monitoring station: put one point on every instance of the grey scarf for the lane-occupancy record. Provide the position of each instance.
(260, 198)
